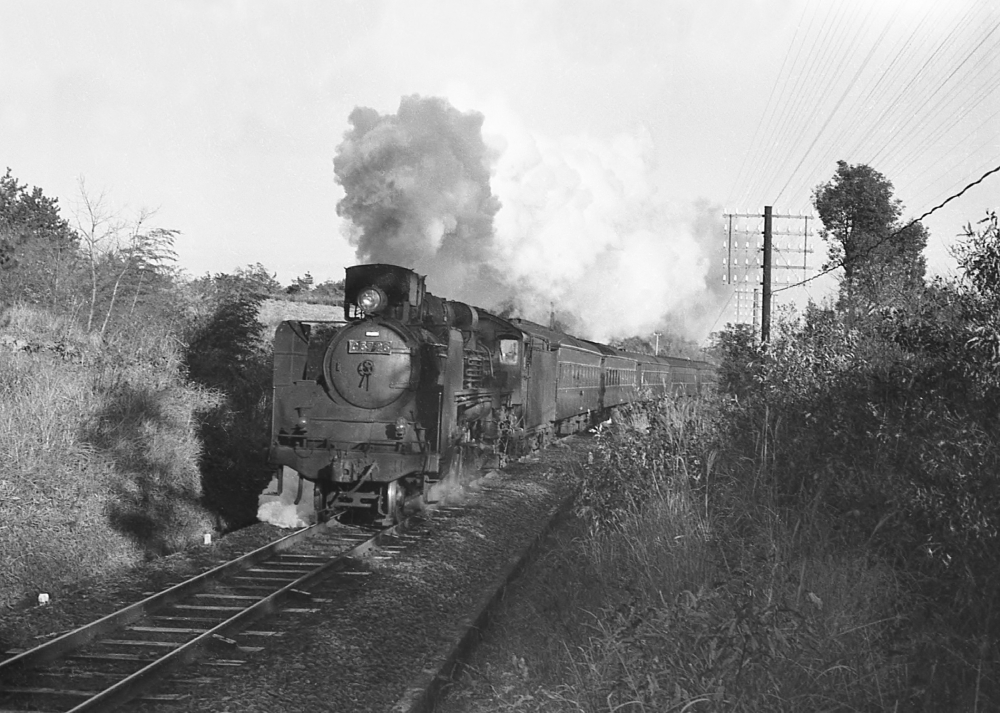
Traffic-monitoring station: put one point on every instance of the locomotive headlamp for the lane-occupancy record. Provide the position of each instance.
(302, 422)
(371, 300)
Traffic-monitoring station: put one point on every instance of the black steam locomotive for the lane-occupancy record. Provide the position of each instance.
(371, 413)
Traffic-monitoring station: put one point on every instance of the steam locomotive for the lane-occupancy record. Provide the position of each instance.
(391, 404)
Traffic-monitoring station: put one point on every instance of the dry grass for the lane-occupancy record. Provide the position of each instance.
(101, 459)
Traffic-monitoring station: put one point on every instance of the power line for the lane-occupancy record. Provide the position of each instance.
(767, 106)
(722, 311)
(934, 93)
(762, 168)
(930, 86)
(904, 105)
(840, 101)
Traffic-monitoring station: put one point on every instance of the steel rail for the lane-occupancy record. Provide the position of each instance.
(128, 688)
(55, 648)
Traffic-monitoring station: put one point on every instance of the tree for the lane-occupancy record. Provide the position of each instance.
(979, 256)
(38, 248)
(258, 278)
(881, 259)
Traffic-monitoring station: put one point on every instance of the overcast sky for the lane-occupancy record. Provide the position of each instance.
(647, 116)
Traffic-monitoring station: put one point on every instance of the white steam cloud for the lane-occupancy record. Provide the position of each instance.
(523, 221)
(584, 225)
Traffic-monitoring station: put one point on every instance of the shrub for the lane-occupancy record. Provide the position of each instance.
(226, 352)
(879, 432)
(709, 597)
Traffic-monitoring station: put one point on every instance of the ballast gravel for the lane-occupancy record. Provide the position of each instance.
(27, 627)
(388, 623)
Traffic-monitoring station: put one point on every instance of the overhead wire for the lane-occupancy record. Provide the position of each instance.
(944, 128)
(762, 166)
(901, 104)
(768, 106)
(956, 96)
(953, 70)
(990, 120)
(855, 123)
(892, 144)
(833, 113)
(795, 124)
(832, 51)
(824, 89)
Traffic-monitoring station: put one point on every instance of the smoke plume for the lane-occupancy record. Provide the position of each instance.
(521, 223)
(418, 193)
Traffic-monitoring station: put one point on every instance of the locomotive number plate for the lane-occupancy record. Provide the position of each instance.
(367, 346)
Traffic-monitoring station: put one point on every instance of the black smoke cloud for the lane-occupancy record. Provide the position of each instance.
(417, 191)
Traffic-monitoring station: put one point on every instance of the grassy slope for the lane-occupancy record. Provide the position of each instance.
(99, 451)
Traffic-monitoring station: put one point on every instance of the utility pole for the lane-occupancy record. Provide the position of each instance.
(765, 307)
(749, 262)
(656, 351)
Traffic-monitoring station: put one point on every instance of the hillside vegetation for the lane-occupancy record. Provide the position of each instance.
(823, 534)
(134, 402)
(100, 460)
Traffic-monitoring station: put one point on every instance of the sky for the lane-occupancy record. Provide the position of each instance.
(616, 134)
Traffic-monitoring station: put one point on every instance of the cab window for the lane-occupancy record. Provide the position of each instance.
(508, 351)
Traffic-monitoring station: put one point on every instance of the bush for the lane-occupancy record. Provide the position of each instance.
(226, 352)
(878, 433)
(704, 595)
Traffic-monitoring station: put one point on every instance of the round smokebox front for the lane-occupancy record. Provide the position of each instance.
(370, 365)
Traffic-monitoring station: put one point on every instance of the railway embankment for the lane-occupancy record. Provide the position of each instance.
(100, 458)
(128, 446)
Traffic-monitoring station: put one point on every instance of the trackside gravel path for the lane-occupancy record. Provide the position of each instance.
(394, 615)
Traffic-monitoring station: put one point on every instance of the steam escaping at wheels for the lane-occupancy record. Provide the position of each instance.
(413, 395)
(291, 501)
(288, 501)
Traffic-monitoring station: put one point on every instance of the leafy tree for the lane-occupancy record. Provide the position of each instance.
(860, 215)
(38, 248)
(257, 278)
(979, 256)
(740, 357)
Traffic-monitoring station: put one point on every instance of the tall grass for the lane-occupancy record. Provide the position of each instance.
(99, 449)
(690, 587)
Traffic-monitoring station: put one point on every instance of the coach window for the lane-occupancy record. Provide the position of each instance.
(508, 351)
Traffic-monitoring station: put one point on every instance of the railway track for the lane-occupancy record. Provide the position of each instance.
(122, 656)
